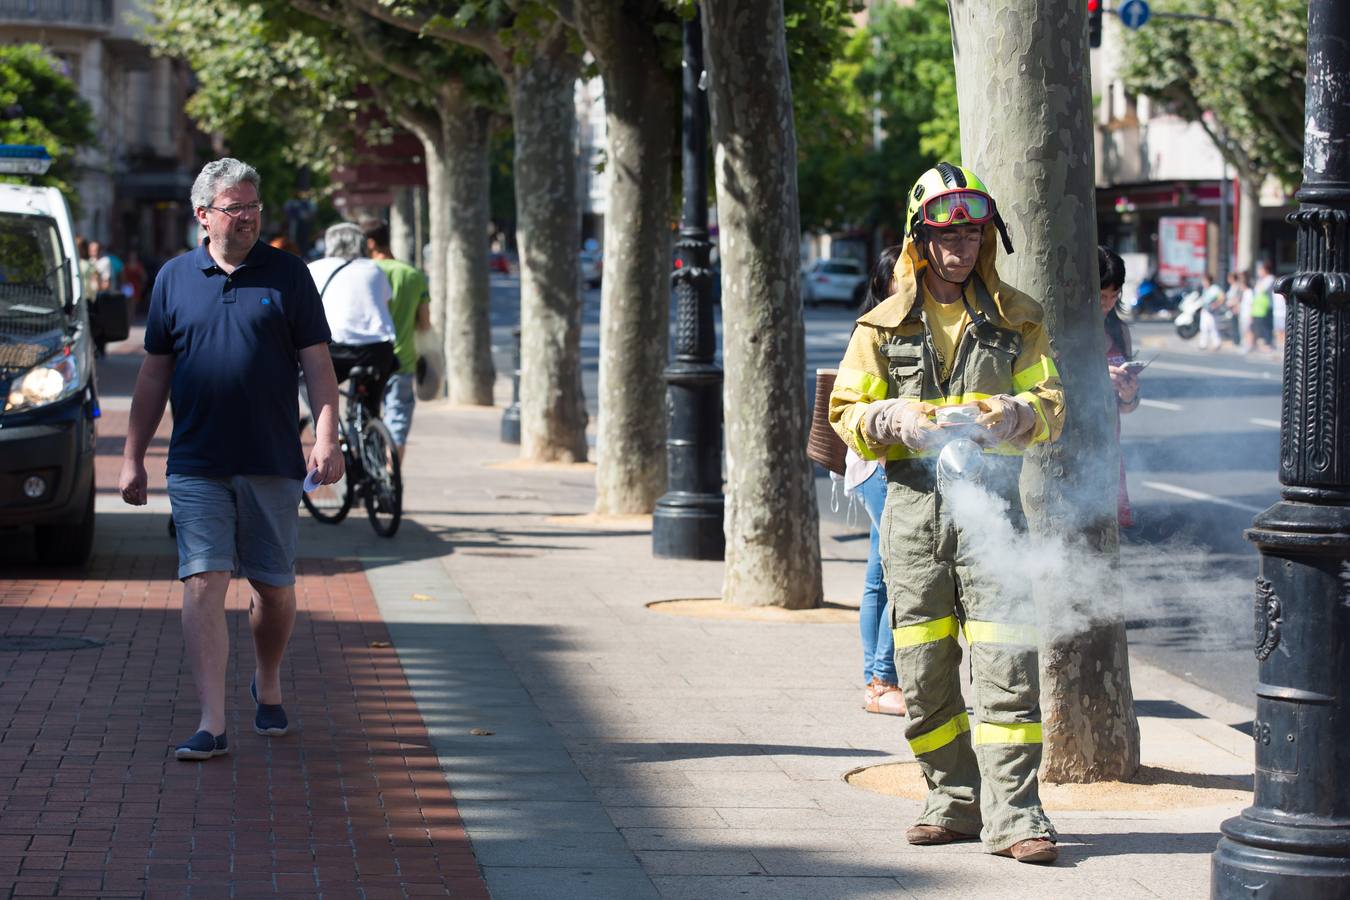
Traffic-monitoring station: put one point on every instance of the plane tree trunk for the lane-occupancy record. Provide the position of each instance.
(1026, 128)
(635, 290)
(772, 525)
(548, 233)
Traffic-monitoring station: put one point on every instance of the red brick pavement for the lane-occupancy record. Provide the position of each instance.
(351, 804)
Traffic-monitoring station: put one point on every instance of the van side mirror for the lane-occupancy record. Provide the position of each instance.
(109, 317)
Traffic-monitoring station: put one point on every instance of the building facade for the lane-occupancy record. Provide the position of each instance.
(1154, 167)
(134, 183)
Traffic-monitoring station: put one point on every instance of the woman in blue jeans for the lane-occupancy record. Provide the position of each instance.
(868, 478)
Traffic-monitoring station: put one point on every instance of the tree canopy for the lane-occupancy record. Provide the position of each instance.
(893, 80)
(40, 104)
(1243, 82)
(275, 95)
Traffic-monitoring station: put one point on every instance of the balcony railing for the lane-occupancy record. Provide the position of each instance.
(75, 13)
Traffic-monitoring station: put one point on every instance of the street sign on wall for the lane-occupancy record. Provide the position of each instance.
(1183, 249)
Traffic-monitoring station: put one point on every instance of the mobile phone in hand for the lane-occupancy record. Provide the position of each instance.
(1134, 366)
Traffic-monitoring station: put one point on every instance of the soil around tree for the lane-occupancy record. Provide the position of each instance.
(717, 608)
(603, 522)
(1152, 788)
(534, 465)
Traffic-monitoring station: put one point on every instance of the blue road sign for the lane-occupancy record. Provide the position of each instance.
(1134, 13)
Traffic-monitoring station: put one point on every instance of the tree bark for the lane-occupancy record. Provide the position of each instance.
(635, 291)
(772, 528)
(548, 231)
(402, 230)
(420, 235)
(1249, 222)
(430, 132)
(468, 328)
(1026, 128)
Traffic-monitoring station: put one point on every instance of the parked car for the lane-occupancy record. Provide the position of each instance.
(48, 395)
(834, 281)
(591, 267)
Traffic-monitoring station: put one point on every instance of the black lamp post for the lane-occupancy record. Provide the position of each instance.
(1294, 840)
(687, 521)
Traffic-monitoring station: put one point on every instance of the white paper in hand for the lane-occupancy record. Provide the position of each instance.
(311, 480)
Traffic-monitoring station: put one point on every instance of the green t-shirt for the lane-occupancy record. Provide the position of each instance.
(410, 292)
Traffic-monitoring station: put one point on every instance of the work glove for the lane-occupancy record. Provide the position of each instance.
(1005, 418)
(908, 422)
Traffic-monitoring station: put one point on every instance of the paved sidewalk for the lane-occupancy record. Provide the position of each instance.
(634, 754)
(533, 728)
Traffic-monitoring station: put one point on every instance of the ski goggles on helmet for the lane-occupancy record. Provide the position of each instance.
(958, 208)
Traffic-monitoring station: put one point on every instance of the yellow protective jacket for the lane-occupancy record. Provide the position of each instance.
(1004, 350)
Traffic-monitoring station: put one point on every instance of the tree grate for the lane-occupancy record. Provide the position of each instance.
(30, 642)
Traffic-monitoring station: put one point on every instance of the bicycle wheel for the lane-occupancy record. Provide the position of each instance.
(384, 479)
(329, 503)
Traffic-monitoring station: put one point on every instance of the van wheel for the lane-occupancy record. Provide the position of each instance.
(68, 544)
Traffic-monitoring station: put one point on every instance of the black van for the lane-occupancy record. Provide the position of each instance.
(48, 394)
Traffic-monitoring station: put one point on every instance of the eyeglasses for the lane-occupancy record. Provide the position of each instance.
(958, 206)
(235, 210)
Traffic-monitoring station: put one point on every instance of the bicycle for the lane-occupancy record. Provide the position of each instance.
(372, 471)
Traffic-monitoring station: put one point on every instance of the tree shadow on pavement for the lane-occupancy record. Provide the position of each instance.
(693, 750)
(1142, 843)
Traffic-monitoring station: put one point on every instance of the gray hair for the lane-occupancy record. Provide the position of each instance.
(343, 240)
(221, 175)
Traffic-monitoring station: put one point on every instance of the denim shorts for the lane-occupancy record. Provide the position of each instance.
(245, 524)
(399, 400)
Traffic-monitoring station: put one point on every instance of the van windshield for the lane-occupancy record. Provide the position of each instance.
(35, 288)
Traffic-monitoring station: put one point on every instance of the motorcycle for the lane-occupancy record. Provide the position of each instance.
(1150, 299)
(1187, 321)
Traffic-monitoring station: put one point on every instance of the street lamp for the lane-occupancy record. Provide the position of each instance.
(1294, 840)
(687, 520)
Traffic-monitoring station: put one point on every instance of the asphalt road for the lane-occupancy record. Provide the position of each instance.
(1201, 455)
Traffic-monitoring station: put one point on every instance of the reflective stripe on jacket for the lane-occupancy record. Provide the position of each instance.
(1003, 351)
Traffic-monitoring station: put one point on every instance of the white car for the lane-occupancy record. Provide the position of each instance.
(834, 281)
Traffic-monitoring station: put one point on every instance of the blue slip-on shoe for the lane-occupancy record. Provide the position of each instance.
(270, 718)
(202, 745)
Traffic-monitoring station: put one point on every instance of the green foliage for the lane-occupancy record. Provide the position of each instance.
(288, 90)
(832, 117)
(1245, 83)
(259, 80)
(912, 74)
(39, 104)
(899, 67)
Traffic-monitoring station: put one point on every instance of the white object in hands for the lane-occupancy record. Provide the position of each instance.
(312, 480)
(960, 460)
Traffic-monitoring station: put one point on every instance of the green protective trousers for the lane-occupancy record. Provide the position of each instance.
(981, 771)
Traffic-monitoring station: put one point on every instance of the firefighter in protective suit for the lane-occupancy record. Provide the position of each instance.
(953, 334)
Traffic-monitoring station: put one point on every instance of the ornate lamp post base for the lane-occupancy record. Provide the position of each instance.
(687, 526)
(1294, 841)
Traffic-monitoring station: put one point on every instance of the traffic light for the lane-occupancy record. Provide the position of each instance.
(1094, 23)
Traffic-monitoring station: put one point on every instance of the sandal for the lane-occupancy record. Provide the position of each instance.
(885, 699)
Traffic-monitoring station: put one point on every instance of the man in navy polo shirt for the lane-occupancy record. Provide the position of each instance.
(228, 323)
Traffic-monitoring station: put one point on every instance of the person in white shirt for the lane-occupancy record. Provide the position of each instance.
(1213, 298)
(355, 295)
